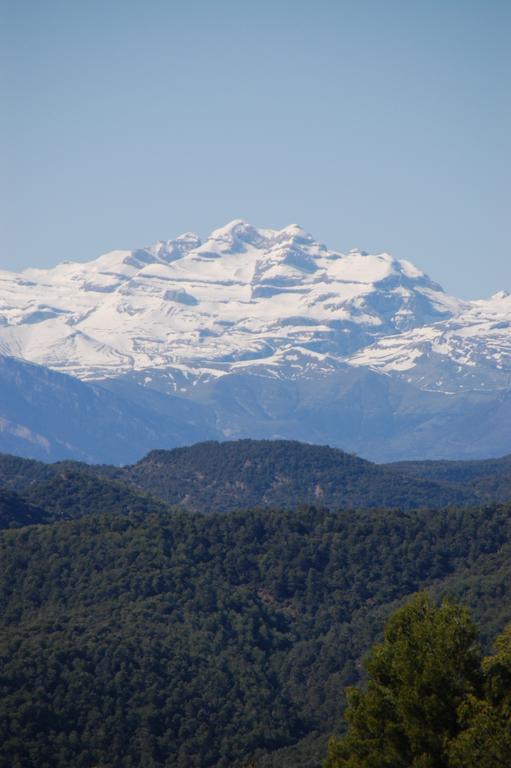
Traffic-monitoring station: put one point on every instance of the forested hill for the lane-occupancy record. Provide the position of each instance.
(218, 477)
(282, 474)
(146, 640)
(71, 493)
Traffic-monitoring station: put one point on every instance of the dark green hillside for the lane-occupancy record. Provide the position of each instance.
(486, 585)
(67, 490)
(280, 473)
(486, 478)
(18, 474)
(21, 475)
(16, 511)
(72, 494)
(175, 639)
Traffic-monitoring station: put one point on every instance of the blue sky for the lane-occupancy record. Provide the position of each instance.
(382, 124)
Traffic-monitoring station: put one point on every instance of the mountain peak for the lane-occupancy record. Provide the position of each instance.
(235, 229)
(245, 298)
(234, 237)
(294, 232)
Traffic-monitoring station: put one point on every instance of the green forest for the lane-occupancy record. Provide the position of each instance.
(134, 633)
(175, 639)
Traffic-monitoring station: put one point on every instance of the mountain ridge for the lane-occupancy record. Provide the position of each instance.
(262, 333)
(277, 290)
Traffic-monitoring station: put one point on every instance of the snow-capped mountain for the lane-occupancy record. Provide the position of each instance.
(268, 333)
(469, 350)
(245, 296)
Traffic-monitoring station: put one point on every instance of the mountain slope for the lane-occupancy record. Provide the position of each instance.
(16, 511)
(51, 416)
(468, 472)
(490, 478)
(469, 351)
(73, 493)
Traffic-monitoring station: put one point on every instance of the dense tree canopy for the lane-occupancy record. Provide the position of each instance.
(150, 637)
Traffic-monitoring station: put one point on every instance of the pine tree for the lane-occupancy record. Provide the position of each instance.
(427, 665)
(485, 741)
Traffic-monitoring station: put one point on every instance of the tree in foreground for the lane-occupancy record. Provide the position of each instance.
(426, 668)
(485, 738)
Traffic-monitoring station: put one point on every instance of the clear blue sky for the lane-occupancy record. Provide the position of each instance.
(382, 124)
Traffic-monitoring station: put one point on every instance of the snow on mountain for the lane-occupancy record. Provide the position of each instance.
(252, 333)
(274, 299)
(469, 350)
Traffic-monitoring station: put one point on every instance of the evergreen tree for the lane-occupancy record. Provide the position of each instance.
(485, 741)
(419, 676)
